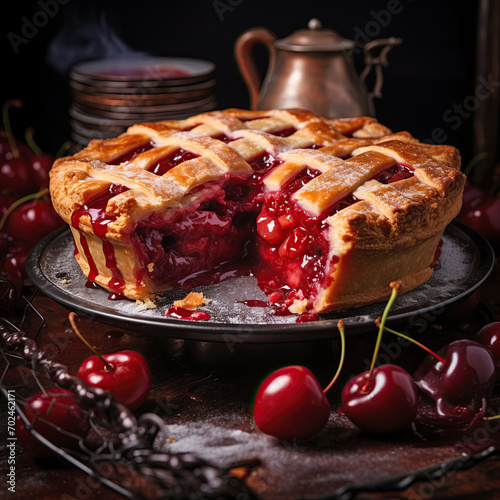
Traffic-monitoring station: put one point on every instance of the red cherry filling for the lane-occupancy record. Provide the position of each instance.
(195, 243)
(284, 132)
(264, 162)
(132, 153)
(217, 239)
(293, 243)
(210, 243)
(172, 160)
(223, 138)
(270, 229)
(395, 173)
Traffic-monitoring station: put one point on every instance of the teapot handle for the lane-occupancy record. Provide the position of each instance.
(243, 53)
(377, 62)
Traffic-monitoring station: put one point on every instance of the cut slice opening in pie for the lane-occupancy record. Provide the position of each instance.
(324, 213)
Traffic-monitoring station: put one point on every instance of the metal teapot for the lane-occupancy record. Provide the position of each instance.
(312, 69)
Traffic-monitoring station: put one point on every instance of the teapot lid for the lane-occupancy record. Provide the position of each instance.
(314, 39)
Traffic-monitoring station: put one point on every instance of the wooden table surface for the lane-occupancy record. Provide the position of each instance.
(204, 392)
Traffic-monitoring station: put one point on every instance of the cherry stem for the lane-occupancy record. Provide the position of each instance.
(425, 348)
(71, 318)
(31, 142)
(7, 126)
(66, 146)
(479, 157)
(340, 326)
(395, 288)
(32, 196)
(495, 417)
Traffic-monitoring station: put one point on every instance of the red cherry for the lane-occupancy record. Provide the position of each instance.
(290, 404)
(40, 162)
(41, 165)
(125, 374)
(385, 404)
(472, 197)
(489, 336)
(5, 242)
(461, 385)
(13, 255)
(10, 295)
(15, 171)
(33, 220)
(463, 309)
(56, 415)
(294, 245)
(9, 145)
(485, 219)
(13, 271)
(381, 400)
(16, 177)
(287, 221)
(6, 152)
(270, 229)
(5, 202)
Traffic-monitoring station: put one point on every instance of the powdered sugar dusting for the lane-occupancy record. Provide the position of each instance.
(225, 435)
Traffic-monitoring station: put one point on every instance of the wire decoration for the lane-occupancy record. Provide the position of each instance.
(120, 450)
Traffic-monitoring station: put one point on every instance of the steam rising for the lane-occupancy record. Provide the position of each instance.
(85, 35)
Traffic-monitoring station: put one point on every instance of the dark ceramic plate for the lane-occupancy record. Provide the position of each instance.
(467, 260)
(159, 70)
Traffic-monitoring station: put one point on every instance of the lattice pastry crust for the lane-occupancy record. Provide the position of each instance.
(341, 207)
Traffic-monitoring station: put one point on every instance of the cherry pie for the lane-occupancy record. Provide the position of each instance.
(325, 213)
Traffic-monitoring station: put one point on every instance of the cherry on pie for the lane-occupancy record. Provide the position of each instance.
(327, 212)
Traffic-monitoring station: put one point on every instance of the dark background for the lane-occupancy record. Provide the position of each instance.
(430, 73)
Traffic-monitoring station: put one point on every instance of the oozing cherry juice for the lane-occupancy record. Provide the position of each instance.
(237, 228)
(95, 209)
(211, 243)
(293, 242)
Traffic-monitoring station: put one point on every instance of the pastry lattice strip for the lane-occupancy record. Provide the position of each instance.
(250, 134)
(355, 175)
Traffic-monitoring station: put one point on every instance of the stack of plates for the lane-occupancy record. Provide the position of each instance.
(109, 95)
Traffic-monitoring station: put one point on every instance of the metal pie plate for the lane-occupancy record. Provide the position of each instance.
(466, 261)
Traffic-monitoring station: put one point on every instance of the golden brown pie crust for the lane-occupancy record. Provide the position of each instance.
(390, 234)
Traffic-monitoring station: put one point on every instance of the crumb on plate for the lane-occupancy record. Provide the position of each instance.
(192, 301)
(146, 303)
(298, 306)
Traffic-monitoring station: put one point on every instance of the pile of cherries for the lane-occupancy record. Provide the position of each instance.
(459, 379)
(26, 212)
(56, 414)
